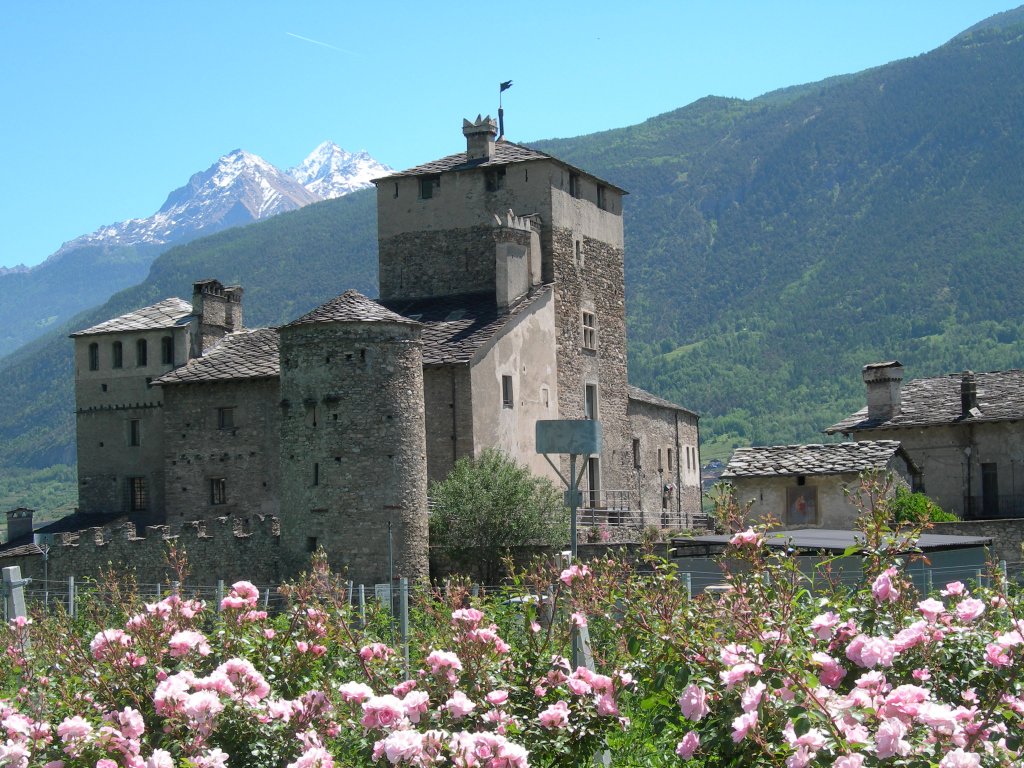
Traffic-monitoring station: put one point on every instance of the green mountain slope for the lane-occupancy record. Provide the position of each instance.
(777, 245)
(773, 247)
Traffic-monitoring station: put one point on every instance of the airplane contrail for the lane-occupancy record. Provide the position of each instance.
(319, 42)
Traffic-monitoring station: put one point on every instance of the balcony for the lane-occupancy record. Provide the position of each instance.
(606, 507)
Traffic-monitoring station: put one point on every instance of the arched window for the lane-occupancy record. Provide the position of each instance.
(141, 353)
(167, 350)
(94, 357)
(118, 355)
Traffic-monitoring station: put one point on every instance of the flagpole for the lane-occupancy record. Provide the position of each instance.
(502, 87)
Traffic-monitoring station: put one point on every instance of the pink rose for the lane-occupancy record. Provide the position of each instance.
(459, 705)
(883, 588)
(969, 609)
(382, 711)
(931, 608)
(689, 745)
(742, 725)
(572, 573)
(555, 716)
(747, 538)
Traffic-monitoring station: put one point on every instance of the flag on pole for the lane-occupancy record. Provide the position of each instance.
(505, 86)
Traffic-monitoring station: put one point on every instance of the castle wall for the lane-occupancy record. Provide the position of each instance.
(216, 549)
(110, 449)
(201, 450)
(525, 352)
(667, 480)
(353, 450)
(448, 406)
(594, 284)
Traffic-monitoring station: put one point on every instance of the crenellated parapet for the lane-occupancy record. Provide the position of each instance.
(223, 548)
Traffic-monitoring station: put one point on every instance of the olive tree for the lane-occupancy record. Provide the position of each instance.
(490, 504)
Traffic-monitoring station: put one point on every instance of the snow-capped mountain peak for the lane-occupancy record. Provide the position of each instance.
(329, 171)
(238, 189)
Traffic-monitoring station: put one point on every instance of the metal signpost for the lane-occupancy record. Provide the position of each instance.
(578, 438)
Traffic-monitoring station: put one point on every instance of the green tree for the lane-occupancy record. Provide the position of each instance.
(907, 507)
(489, 504)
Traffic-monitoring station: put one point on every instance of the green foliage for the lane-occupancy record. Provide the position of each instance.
(487, 505)
(907, 507)
(50, 492)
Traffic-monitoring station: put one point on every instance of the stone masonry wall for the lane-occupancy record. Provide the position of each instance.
(597, 285)
(1007, 538)
(198, 451)
(353, 452)
(245, 548)
(439, 263)
(448, 405)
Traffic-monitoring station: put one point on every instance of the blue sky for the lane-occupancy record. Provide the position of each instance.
(109, 106)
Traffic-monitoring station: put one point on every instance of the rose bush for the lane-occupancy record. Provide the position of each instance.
(778, 669)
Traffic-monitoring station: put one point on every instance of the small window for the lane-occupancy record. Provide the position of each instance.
(602, 197)
(167, 350)
(316, 473)
(670, 457)
(545, 397)
(494, 179)
(94, 357)
(507, 396)
(311, 543)
(226, 418)
(574, 184)
(135, 432)
(428, 185)
(661, 466)
(117, 355)
(688, 466)
(396, 190)
(137, 496)
(141, 353)
(589, 330)
(578, 245)
(590, 401)
(636, 453)
(219, 491)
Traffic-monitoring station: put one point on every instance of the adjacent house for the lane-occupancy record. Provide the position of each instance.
(803, 486)
(964, 431)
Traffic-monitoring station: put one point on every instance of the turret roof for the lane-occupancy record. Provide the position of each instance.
(169, 313)
(351, 307)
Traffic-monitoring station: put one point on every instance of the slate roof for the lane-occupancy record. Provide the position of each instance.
(830, 459)
(455, 327)
(643, 396)
(350, 307)
(936, 401)
(505, 153)
(248, 354)
(169, 313)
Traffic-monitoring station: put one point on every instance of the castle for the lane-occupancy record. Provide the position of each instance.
(502, 301)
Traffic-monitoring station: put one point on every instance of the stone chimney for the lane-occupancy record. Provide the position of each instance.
(19, 523)
(480, 137)
(884, 382)
(218, 309)
(968, 393)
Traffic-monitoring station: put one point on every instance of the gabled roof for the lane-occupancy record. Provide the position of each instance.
(350, 307)
(829, 459)
(643, 396)
(936, 401)
(505, 153)
(169, 313)
(248, 354)
(455, 327)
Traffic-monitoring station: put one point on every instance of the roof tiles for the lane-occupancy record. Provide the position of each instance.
(169, 313)
(936, 401)
(248, 354)
(830, 459)
(350, 307)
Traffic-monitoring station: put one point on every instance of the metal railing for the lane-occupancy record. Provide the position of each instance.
(1003, 505)
(606, 507)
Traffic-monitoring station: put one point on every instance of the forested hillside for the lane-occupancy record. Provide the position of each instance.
(777, 245)
(774, 246)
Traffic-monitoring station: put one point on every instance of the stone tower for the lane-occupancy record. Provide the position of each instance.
(353, 450)
(444, 228)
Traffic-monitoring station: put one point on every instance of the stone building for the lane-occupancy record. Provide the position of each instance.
(502, 301)
(805, 486)
(965, 431)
